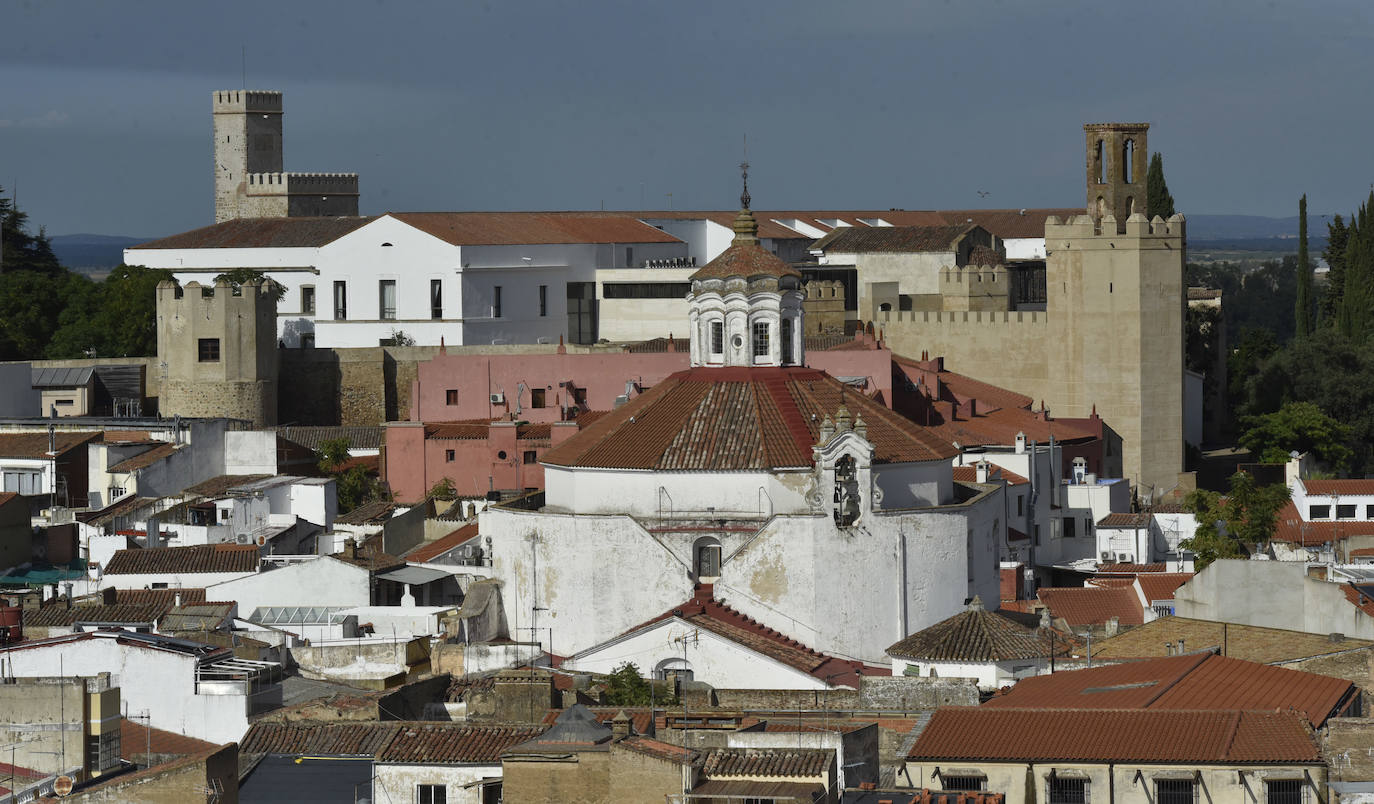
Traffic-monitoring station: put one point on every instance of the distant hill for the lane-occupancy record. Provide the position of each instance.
(92, 253)
(1252, 227)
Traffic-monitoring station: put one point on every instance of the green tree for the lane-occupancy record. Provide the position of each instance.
(443, 490)
(1298, 427)
(332, 453)
(30, 310)
(1247, 515)
(19, 250)
(239, 277)
(355, 488)
(1157, 198)
(1337, 236)
(626, 687)
(1303, 307)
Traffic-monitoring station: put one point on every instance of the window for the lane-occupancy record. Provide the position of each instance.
(436, 299)
(496, 302)
(1318, 512)
(1345, 512)
(448, 456)
(530, 457)
(1128, 161)
(1068, 790)
(451, 396)
(308, 299)
(1369, 512)
(386, 299)
(431, 794)
(1283, 791)
(717, 337)
(1020, 505)
(1069, 523)
(23, 482)
(786, 341)
(645, 290)
(708, 558)
(1175, 791)
(340, 301)
(209, 350)
(963, 782)
(536, 397)
(760, 339)
(1101, 163)
(629, 257)
(501, 455)
(543, 300)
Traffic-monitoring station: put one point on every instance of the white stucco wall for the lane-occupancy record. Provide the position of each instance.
(250, 452)
(161, 682)
(398, 782)
(172, 580)
(713, 659)
(990, 676)
(323, 581)
(1272, 594)
(637, 492)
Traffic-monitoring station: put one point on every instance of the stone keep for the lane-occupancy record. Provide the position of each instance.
(217, 351)
(249, 181)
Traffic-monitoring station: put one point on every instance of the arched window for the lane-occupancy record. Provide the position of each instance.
(1130, 205)
(706, 557)
(1101, 162)
(1128, 161)
(674, 668)
(786, 336)
(846, 506)
(717, 337)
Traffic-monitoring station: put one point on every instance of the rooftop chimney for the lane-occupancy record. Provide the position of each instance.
(176, 599)
(620, 725)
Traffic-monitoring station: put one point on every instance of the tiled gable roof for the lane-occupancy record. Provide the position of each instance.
(375, 512)
(1249, 642)
(221, 485)
(165, 598)
(136, 738)
(263, 233)
(1338, 486)
(313, 437)
(1292, 528)
(1125, 520)
(892, 239)
(143, 460)
(57, 615)
(436, 548)
(1191, 681)
(172, 560)
(746, 260)
(431, 743)
(358, 739)
(732, 419)
(520, 228)
(1131, 569)
(35, 445)
(1162, 585)
(969, 474)
(1093, 605)
(1105, 735)
(370, 558)
(767, 762)
(659, 750)
(976, 635)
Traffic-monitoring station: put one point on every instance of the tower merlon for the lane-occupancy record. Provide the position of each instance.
(238, 101)
(303, 183)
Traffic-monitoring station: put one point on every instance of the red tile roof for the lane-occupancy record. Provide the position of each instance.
(1359, 599)
(263, 233)
(135, 738)
(1191, 681)
(730, 419)
(640, 717)
(969, 474)
(1106, 735)
(1131, 569)
(1094, 605)
(1162, 585)
(443, 544)
(520, 228)
(435, 744)
(58, 615)
(659, 750)
(746, 260)
(165, 598)
(144, 459)
(1363, 485)
(892, 239)
(1125, 520)
(1291, 527)
(478, 430)
(35, 445)
(361, 739)
(197, 558)
(767, 762)
(705, 612)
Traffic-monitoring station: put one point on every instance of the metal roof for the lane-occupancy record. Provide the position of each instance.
(295, 615)
(414, 575)
(54, 377)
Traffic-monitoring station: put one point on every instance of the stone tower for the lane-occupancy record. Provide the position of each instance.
(1117, 161)
(249, 180)
(217, 351)
(745, 306)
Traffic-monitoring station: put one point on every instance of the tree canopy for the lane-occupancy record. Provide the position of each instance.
(1247, 514)
(1298, 427)
(1304, 308)
(1158, 201)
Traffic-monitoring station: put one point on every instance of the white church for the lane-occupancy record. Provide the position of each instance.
(819, 519)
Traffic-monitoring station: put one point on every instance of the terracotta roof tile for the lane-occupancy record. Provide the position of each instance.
(1291, 527)
(659, 750)
(1191, 681)
(453, 743)
(358, 739)
(767, 762)
(263, 233)
(197, 558)
(1340, 486)
(443, 544)
(221, 485)
(745, 259)
(370, 558)
(1125, 520)
(1131, 569)
(165, 598)
(1093, 605)
(976, 635)
(135, 738)
(520, 228)
(1162, 585)
(1212, 737)
(58, 615)
(640, 717)
(372, 513)
(144, 459)
(1249, 642)
(730, 419)
(892, 239)
(35, 445)
(969, 474)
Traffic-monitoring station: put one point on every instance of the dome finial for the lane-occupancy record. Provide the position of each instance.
(744, 173)
(746, 228)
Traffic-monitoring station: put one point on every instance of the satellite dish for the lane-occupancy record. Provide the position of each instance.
(262, 540)
(62, 785)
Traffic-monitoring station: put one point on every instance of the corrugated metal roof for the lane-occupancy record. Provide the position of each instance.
(1026, 735)
(61, 377)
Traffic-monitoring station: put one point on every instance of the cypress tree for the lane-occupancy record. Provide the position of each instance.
(1157, 198)
(1337, 235)
(1303, 314)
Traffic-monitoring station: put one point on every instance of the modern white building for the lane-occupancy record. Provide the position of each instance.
(806, 506)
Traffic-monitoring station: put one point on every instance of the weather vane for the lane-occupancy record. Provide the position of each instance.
(744, 172)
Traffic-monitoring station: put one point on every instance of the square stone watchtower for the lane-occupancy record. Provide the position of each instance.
(1117, 155)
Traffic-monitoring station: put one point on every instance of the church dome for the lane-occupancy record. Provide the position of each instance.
(740, 419)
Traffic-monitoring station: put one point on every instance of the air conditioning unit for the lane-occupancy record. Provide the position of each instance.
(244, 538)
(1123, 558)
(1106, 556)
(498, 399)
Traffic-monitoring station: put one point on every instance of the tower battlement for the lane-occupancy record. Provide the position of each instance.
(302, 183)
(237, 101)
(1106, 232)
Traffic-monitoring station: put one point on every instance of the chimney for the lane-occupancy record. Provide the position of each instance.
(1020, 443)
(353, 547)
(1181, 651)
(981, 471)
(108, 596)
(620, 725)
(176, 599)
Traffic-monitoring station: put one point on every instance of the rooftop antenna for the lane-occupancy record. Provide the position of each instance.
(243, 62)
